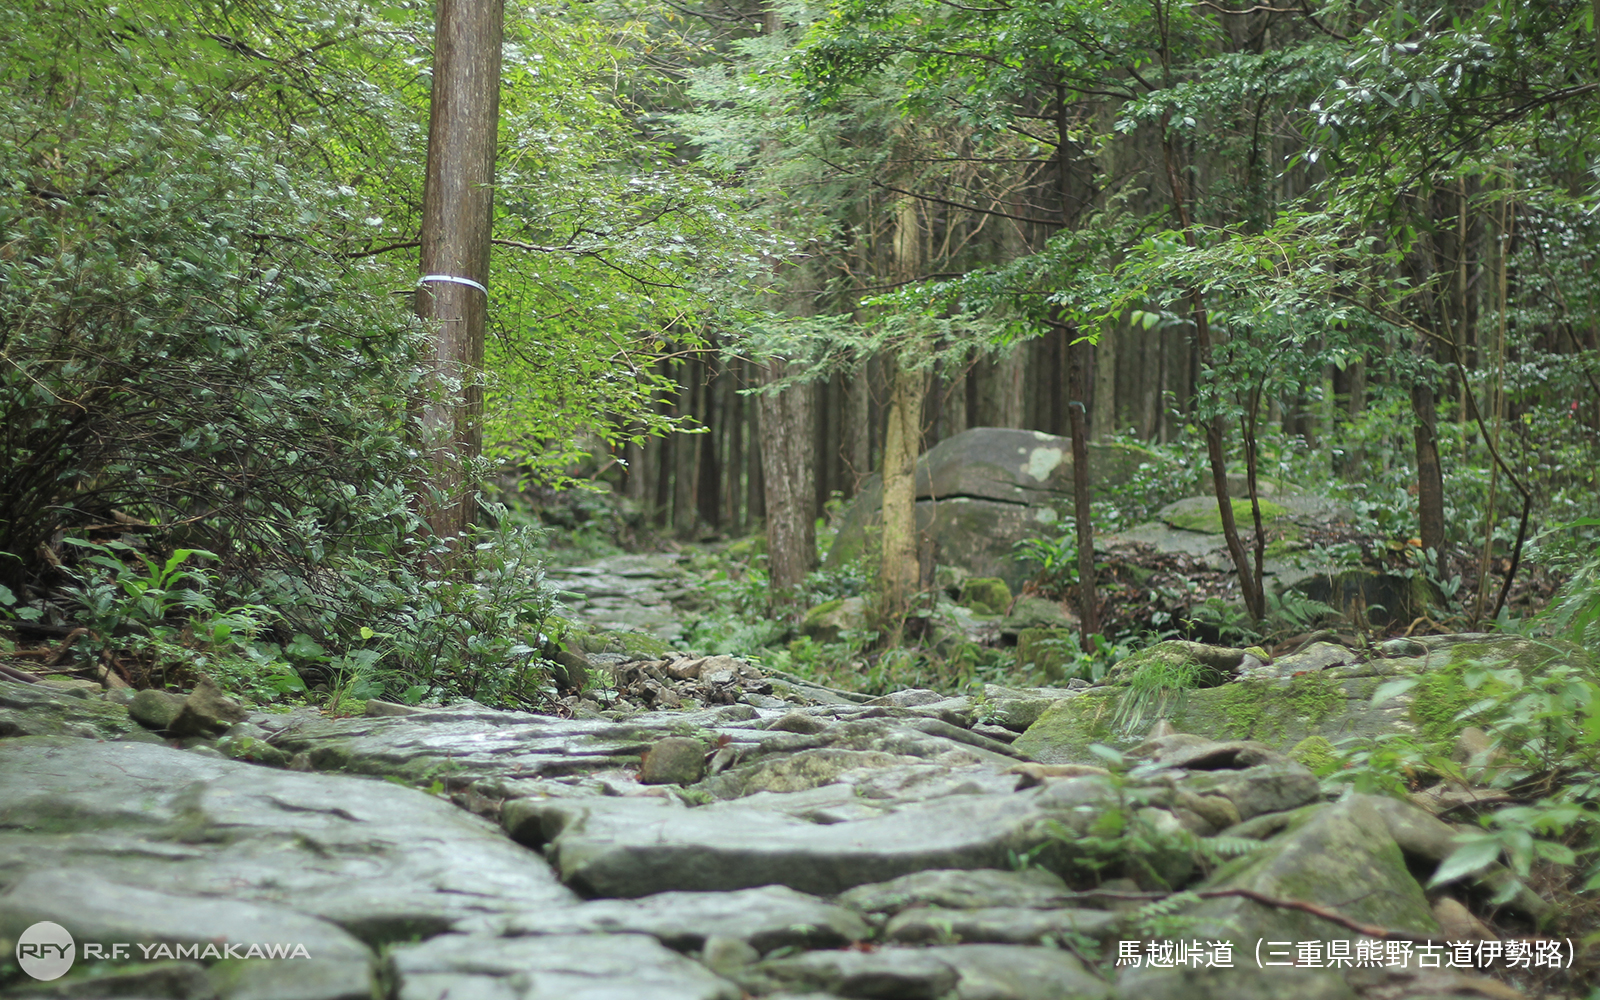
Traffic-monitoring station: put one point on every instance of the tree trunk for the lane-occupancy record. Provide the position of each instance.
(735, 418)
(1088, 600)
(787, 473)
(1000, 389)
(685, 448)
(1430, 477)
(1103, 409)
(858, 429)
(457, 212)
(900, 573)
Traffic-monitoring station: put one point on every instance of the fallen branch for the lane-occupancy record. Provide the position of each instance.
(17, 675)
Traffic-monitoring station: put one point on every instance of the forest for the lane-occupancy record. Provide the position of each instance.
(708, 279)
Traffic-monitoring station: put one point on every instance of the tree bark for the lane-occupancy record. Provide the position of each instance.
(788, 478)
(900, 573)
(858, 429)
(1088, 600)
(1430, 477)
(685, 448)
(457, 213)
(735, 418)
(1103, 409)
(1000, 389)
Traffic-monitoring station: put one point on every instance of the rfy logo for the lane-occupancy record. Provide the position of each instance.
(46, 950)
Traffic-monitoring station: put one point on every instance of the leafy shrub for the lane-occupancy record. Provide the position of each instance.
(180, 345)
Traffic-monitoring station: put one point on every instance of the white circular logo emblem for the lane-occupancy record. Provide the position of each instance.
(46, 950)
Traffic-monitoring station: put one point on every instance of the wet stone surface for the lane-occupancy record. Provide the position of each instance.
(787, 841)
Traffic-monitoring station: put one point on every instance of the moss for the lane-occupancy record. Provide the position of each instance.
(1044, 650)
(986, 595)
(815, 616)
(1315, 752)
(1209, 519)
(1168, 654)
(1244, 705)
(637, 644)
(1064, 732)
(1263, 710)
(1438, 698)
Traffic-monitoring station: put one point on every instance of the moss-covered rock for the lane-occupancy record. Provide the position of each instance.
(1045, 651)
(987, 595)
(1323, 854)
(982, 491)
(1204, 515)
(824, 622)
(1308, 694)
(1314, 752)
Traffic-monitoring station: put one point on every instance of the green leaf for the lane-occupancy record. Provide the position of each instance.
(1108, 754)
(1467, 859)
(1391, 689)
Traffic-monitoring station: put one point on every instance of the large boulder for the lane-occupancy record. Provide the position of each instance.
(982, 491)
(1192, 527)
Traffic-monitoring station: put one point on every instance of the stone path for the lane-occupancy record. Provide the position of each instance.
(627, 593)
(776, 846)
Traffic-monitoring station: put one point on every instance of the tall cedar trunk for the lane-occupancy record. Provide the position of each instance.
(787, 474)
(1000, 382)
(1103, 409)
(637, 482)
(755, 491)
(708, 492)
(900, 573)
(1430, 477)
(858, 428)
(457, 211)
(684, 449)
(736, 428)
(1088, 600)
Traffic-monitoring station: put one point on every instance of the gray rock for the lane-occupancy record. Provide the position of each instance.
(41, 710)
(998, 925)
(897, 973)
(765, 918)
(728, 955)
(147, 981)
(554, 967)
(676, 760)
(1004, 972)
(247, 741)
(1288, 705)
(1036, 612)
(981, 491)
(797, 722)
(908, 698)
(207, 711)
(800, 771)
(1200, 754)
(94, 909)
(474, 744)
(377, 709)
(383, 862)
(961, 889)
(826, 621)
(155, 709)
(965, 972)
(1265, 788)
(621, 847)
(1340, 856)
